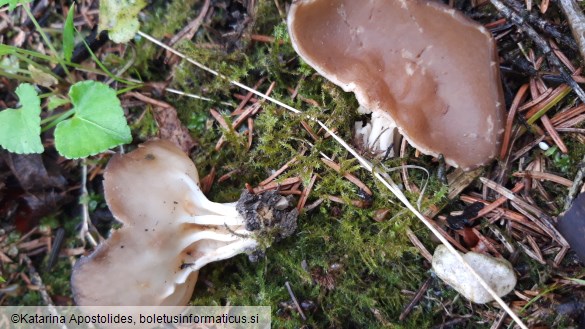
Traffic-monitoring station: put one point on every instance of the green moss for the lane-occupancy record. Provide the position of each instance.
(164, 18)
(56, 280)
(146, 126)
(354, 265)
(29, 298)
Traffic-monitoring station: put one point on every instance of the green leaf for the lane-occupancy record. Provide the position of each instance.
(5, 50)
(69, 34)
(552, 150)
(577, 281)
(21, 128)
(13, 3)
(120, 18)
(41, 77)
(9, 64)
(97, 125)
(55, 102)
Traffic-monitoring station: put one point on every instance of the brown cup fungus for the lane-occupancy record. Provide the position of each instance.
(419, 66)
(170, 230)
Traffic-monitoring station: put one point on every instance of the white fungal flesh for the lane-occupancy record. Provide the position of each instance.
(218, 254)
(203, 205)
(208, 235)
(378, 135)
(213, 220)
(219, 232)
(362, 132)
(229, 251)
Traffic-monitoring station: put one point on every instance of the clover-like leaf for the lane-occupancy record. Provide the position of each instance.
(97, 125)
(120, 18)
(20, 129)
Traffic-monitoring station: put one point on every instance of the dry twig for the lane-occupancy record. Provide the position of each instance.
(306, 191)
(347, 175)
(189, 31)
(276, 185)
(421, 247)
(576, 20)
(541, 43)
(295, 301)
(38, 282)
(523, 206)
(417, 297)
(576, 185)
(544, 176)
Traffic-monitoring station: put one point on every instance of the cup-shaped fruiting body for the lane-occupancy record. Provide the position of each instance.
(418, 64)
(170, 230)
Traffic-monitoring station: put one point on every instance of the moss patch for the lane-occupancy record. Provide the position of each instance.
(344, 267)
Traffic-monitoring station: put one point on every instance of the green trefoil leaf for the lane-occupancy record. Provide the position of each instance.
(120, 18)
(98, 123)
(20, 129)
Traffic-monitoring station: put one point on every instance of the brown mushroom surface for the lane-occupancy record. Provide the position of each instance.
(143, 258)
(419, 64)
(170, 230)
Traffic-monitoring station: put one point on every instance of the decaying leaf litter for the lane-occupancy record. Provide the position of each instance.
(349, 240)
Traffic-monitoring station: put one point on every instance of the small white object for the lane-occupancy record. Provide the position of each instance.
(497, 273)
(543, 146)
(362, 132)
(378, 134)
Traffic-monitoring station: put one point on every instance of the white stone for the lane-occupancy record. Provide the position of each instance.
(543, 146)
(497, 273)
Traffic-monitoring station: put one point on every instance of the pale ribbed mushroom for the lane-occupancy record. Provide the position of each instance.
(419, 66)
(170, 230)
